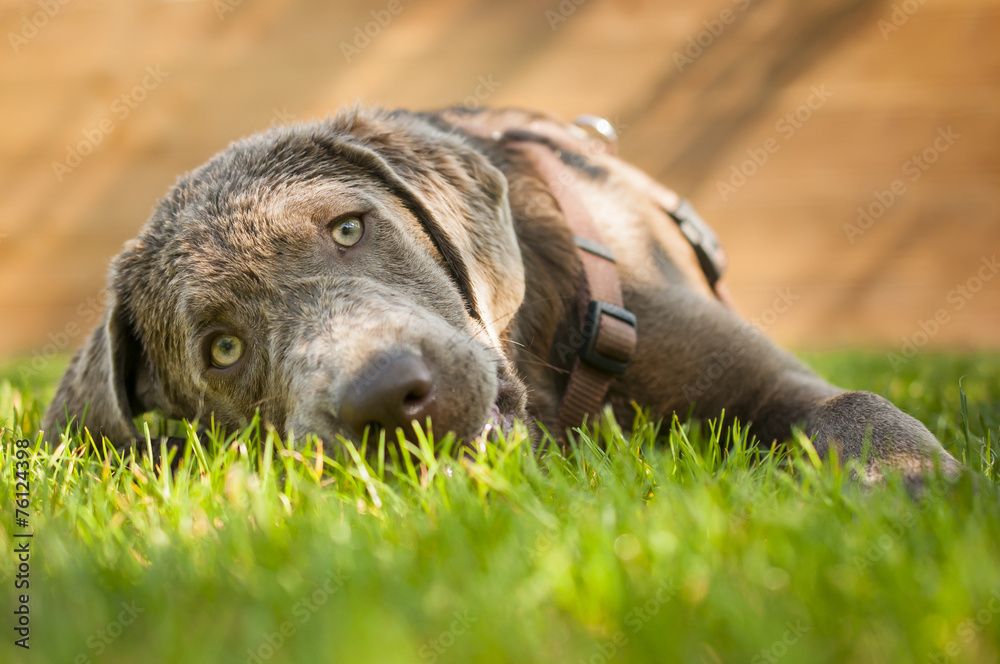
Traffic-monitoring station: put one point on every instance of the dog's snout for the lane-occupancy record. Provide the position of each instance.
(390, 393)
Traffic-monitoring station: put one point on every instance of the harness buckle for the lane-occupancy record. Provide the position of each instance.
(711, 255)
(609, 337)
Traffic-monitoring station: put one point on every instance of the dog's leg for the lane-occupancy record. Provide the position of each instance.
(695, 352)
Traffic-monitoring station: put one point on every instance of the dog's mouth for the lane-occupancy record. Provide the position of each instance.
(510, 405)
(498, 424)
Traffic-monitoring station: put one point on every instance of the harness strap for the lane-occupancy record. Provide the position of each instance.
(703, 240)
(606, 339)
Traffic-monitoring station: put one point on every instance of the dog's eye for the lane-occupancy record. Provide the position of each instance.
(347, 231)
(226, 350)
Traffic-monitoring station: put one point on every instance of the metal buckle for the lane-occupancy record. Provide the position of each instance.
(591, 331)
(711, 255)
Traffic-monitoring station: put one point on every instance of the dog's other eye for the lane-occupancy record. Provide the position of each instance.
(346, 232)
(226, 350)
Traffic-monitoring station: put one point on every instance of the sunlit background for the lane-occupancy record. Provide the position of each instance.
(846, 151)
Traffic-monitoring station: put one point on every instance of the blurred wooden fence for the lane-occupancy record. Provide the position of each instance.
(847, 151)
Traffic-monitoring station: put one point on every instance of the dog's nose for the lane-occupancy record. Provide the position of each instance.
(391, 392)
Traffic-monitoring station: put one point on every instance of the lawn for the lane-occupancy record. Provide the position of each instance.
(656, 547)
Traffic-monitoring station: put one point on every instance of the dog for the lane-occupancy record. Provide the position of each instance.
(460, 269)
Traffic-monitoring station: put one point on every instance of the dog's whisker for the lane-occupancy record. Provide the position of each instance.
(535, 360)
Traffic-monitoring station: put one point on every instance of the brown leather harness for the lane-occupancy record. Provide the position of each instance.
(607, 332)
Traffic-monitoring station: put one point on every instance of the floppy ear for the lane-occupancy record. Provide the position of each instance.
(461, 199)
(106, 384)
(484, 231)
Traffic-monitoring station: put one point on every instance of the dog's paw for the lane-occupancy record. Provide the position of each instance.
(897, 442)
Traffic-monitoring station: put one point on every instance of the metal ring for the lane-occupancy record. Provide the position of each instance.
(598, 125)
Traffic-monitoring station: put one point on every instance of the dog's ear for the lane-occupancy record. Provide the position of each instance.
(461, 199)
(484, 231)
(109, 381)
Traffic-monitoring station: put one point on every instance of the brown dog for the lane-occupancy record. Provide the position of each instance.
(382, 268)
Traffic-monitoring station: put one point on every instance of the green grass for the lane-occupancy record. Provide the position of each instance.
(655, 548)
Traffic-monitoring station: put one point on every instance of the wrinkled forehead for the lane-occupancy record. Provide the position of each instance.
(266, 223)
(268, 214)
(251, 238)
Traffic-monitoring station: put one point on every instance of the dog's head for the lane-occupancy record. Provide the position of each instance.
(332, 276)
